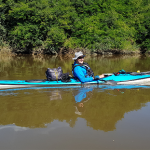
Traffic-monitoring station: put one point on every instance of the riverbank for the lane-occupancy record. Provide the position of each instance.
(6, 51)
(70, 52)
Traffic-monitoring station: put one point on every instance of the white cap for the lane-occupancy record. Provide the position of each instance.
(78, 54)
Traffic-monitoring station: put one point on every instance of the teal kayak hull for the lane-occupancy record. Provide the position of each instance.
(42, 83)
(142, 79)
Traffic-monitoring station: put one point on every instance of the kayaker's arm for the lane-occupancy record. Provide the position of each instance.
(79, 73)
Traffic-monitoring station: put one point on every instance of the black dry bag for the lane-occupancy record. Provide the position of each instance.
(66, 77)
(54, 74)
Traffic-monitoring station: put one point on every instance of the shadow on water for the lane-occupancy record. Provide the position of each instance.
(102, 107)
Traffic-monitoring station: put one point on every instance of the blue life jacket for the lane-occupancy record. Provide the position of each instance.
(82, 72)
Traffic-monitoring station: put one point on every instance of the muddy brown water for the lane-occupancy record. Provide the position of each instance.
(74, 118)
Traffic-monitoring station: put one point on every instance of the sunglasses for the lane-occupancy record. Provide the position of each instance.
(80, 57)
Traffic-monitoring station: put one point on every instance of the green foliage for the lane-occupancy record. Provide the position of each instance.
(2, 19)
(55, 38)
(91, 24)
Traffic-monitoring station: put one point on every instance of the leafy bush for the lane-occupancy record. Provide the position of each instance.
(91, 24)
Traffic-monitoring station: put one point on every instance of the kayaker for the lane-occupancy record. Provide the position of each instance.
(81, 70)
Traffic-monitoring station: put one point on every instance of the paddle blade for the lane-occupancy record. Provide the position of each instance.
(111, 82)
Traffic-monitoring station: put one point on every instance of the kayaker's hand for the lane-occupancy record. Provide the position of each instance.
(101, 76)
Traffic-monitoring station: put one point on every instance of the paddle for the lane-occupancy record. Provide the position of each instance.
(110, 82)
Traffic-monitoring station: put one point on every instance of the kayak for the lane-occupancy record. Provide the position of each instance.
(142, 78)
(42, 83)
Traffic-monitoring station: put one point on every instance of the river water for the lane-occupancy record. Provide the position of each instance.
(91, 117)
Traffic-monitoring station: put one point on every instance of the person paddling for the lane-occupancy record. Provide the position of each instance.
(82, 70)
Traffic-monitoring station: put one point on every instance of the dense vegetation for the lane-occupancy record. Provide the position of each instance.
(28, 25)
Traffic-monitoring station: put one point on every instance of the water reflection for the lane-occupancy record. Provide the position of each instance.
(102, 107)
(76, 112)
(55, 95)
(31, 67)
(13, 127)
(80, 98)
